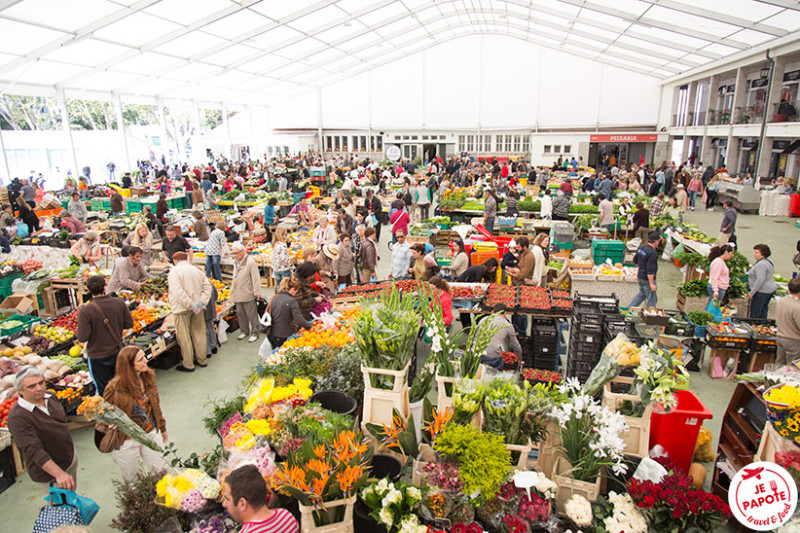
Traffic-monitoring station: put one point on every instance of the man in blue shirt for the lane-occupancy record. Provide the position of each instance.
(401, 256)
(647, 259)
(606, 186)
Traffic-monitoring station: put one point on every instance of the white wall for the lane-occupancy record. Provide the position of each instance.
(498, 81)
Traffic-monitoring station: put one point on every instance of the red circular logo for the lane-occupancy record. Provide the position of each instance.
(762, 496)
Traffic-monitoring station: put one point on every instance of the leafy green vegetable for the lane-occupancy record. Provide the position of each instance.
(695, 287)
(699, 318)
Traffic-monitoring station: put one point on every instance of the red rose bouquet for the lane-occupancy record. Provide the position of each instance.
(674, 505)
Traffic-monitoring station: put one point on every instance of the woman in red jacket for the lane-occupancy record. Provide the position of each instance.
(399, 221)
(441, 294)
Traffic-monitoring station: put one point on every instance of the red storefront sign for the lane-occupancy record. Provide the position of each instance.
(623, 138)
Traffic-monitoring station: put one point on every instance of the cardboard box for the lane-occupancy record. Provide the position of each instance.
(18, 303)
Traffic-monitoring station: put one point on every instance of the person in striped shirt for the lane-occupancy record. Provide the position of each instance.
(245, 499)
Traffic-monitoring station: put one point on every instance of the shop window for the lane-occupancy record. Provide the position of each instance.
(328, 143)
(487, 143)
(462, 143)
(336, 143)
(363, 143)
(470, 143)
(508, 143)
(557, 149)
(425, 137)
(567, 148)
(517, 142)
(380, 143)
(344, 143)
(547, 148)
(526, 144)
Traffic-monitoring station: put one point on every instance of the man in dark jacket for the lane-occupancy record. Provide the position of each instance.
(285, 313)
(647, 259)
(373, 206)
(100, 325)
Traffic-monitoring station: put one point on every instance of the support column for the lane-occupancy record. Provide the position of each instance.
(122, 130)
(732, 162)
(774, 92)
(713, 91)
(5, 161)
(165, 141)
(199, 134)
(319, 120)
(65, 124)
(739, 93)
(690, 111)
(229, 147)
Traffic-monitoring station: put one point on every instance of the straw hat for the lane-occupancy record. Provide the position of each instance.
(330, 251)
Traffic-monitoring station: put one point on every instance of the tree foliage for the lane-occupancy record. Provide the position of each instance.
(29, 113)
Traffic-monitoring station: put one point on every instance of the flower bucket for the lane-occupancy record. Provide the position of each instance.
(567, 486)
(445, 399)
(524, 450)
(549, 450)
(335, 401)
(379, 403)
(337, 508)
(415, 408)
(637, 438)
(777, 412)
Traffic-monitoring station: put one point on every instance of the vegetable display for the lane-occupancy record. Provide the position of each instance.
(699, 318)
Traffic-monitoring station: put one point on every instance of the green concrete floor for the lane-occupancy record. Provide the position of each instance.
(184, 397)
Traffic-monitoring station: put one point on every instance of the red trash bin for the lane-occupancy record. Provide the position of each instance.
(794, 205)
(677, 430)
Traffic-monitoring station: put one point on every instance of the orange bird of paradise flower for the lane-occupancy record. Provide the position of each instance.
(440, 420)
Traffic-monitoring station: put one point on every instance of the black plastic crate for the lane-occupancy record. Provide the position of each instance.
(7, 469)
(586, 337)
(538, 322)
(586, 327)
(545, 364)
(74, 400)
(580, 366)
(166, 360)
(545, 349)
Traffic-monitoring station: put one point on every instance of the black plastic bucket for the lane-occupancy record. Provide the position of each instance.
(335, 401)
(386, 466)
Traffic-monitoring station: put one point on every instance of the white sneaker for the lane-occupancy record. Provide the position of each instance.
(253, 338)
(241, 336)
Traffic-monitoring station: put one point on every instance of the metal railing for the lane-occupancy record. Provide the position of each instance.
(751, 114)
(786, 112)
(719, 117)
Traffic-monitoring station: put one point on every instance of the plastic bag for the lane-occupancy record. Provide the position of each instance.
(702, 449)
(265, 349)
(678, 250)
(373, 221)
(649, 470)
(22, 229)
(715, 310)
(222, 336)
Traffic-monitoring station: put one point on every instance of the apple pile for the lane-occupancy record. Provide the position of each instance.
(67, 321)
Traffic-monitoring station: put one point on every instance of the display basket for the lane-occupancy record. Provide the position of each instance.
(760, 342)
(582, 276)
(26, 322)
(720, 339)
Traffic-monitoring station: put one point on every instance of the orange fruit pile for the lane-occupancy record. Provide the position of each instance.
(319, 336)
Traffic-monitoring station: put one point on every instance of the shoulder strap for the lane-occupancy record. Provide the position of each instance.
(107, 323)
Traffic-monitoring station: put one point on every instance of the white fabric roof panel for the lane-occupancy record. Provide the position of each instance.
(252, 51)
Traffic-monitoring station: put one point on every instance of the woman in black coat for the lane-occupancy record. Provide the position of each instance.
(285, 312)
(27, 215)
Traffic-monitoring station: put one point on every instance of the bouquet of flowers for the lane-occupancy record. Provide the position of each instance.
(400, 434)
(467, 399)
(590, 435)
(265, 393)
(261, 457)
(675, 505)
(579, 510)
(187, 490)
(443, 475)
(504, 407)
(657, 377)
(323, 472)
(458, 527)
(393, 504)
(218, 523)
(621, 515)
(618, 353)
(95, 408)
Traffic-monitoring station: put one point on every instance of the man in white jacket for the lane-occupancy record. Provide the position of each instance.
(189, 292)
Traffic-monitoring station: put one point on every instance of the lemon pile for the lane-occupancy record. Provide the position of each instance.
(17, 352)
(54, 334)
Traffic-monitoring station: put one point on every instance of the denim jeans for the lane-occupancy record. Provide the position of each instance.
(520, 323)
(759, 305)
(692, 198)
(212, 266)
(721, 293)
(279, 275)
(494, 362)
(645, 294)
(490, 225)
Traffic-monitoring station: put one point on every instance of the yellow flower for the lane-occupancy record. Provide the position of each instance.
(788, 395)
(260, 427)
(245, 443)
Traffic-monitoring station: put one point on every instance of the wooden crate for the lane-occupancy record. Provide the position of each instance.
(214, 217)
(770, 443)
(414, 239)
(723, 354)
(524, 452)
(74, 286)
(446, 400)
(379, 403)
(759, 359)
(568, 486)
(637, 438)
(344, 526)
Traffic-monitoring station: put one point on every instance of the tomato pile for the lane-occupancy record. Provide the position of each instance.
(537, 374)
(562, 304)
(561, 294)
(365, 287)
(501, 294)
(5, 407)
(534, 297)
(67, 321)
(466, 293)
(510, 360)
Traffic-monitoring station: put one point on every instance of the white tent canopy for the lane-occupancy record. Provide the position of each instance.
(255, 52)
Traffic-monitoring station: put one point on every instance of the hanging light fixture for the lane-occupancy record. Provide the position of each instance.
(764, 72)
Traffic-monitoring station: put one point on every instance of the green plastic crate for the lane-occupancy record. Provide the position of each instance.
(563, 245)
(7, 280)
(616, 257)
(27, 321)
(607, 245)
(133, 206)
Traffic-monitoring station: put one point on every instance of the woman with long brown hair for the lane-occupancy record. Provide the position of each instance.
(134, 391)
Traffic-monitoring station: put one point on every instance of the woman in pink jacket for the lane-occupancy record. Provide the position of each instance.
(695, 187)
(399, 221)
(719, 276)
